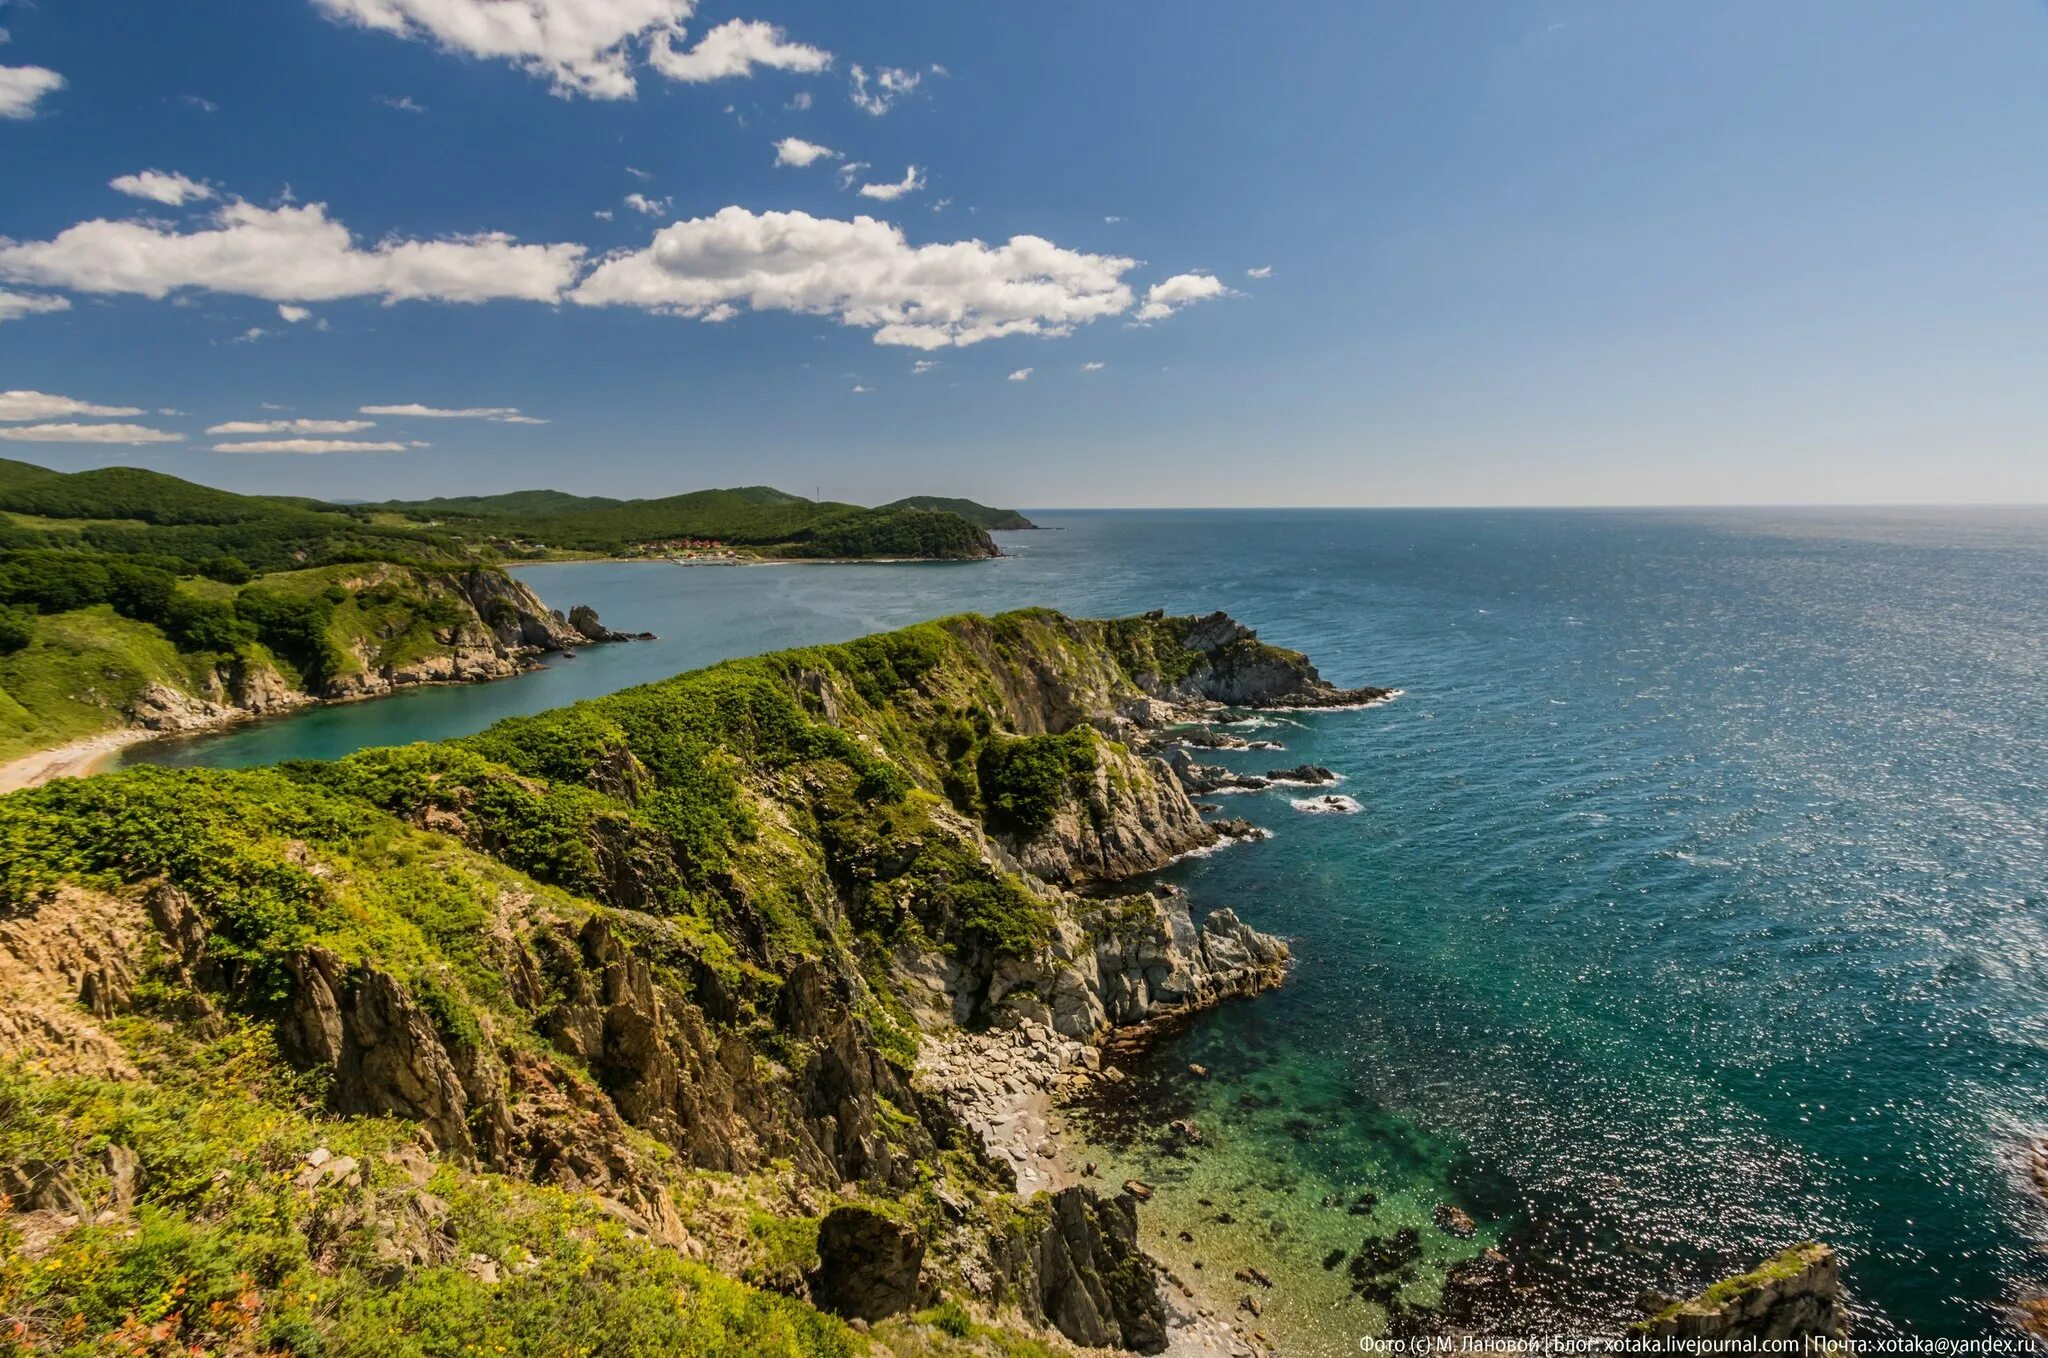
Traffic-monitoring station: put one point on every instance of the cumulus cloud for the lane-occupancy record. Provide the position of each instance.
(1022, 375)
(161, 186)
(580, 46)
(311, 446)
(291, 427)
(800, 101)
(922, 366)
(1093, 367)
(294, 314)
(41, 405)
(22, 87)
(131, 434)
(912, 182)
(798, 152)
(584, 47)
(1183, 289)
(864, 273)
(499, 414)
(890, 85)
(288, 254)
(652, 207)
(1263, 271)
(735, 48)
(17, 304)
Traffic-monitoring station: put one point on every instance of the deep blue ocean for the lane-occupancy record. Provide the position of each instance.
(1699, 904)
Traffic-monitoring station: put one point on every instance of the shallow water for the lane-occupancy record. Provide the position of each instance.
(1698, 905)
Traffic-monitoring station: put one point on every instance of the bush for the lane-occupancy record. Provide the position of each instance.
(206, 625)
(17, 628)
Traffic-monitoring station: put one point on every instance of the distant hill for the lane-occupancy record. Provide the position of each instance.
(996, 520)
(757, 518)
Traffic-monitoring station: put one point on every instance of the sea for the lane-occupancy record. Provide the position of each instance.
(1696, 903)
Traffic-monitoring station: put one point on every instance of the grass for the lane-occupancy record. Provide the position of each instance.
(80, 673)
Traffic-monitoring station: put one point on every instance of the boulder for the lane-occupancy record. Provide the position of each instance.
(868, 1265)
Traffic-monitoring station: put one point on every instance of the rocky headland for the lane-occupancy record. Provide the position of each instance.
(762, 982)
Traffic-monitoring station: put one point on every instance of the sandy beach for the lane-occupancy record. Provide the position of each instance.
(76, 760)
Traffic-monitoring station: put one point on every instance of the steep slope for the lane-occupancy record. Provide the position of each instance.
(996, 520)
(102, 657)
(605, 1027)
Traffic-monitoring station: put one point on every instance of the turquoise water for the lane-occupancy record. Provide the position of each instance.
(1699, 905)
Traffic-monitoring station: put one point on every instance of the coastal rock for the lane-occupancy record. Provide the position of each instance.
(1200, 779)
(1075, 1262)
(1134, 818)
(1236, 669)
(1797, 1295)
(868, 1264)
(1302, 773)
(584, 622)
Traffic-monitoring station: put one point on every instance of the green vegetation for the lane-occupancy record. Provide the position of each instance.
(711, 838)
(758, 518)
(996, 520)
(1792, 1263)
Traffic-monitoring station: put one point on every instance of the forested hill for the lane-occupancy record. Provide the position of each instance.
(759, 519)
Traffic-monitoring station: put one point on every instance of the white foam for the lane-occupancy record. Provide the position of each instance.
(1328, 806)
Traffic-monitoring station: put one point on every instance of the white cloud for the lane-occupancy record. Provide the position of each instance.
(288, 254)
(580, 46)
(734, 48)
(1093, 367)
(1112, 220)
(22, 86)
(14, 305)
(311, 446)
(799, 101)
(1022, 375)
(252, 334)
(1183, 289)
(131, 434)
(585, 47)
(291, 313)
(890, 85)
(911, 182)
(203, 105)
(603, 214)
(922, 366)
(798, 152)
(41, 405)
(500, 414)
(1263, 271)
(652, 207)
(850, 171)
(860, 390)
(864, 273)
(161, 186)
(292, 427)
(403, 103)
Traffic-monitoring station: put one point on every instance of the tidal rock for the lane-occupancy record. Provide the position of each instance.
(1302, 773)
(1454, 1219)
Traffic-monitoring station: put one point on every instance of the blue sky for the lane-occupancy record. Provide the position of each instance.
(1560, 253)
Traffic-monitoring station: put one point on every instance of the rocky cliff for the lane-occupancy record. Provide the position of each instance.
(1797, 1295)
(686, 958)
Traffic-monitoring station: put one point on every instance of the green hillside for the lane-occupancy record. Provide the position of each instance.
(759, 519)
(995, 520)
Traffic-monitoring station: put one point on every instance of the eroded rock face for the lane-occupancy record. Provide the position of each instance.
(1797, 1295)
(869, 1265)
(1134, 819)
(1077, 1264)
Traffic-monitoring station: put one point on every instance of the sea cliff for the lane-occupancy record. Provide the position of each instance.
(661, 995)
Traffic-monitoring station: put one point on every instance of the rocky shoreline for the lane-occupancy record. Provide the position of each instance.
(508, 631)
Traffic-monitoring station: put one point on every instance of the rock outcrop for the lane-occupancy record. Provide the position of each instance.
(1797, 1295)
(869, 1264)
(1076, 1263)
(1235, 669)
